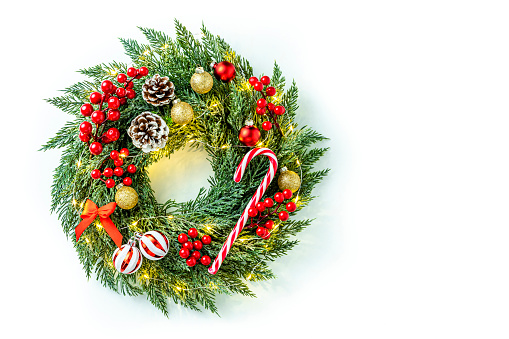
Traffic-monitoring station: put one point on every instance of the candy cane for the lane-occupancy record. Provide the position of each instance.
(255, 199)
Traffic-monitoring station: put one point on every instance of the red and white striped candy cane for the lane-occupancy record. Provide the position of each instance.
(255, 199)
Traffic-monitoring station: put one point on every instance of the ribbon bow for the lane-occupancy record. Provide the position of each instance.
(90, 212)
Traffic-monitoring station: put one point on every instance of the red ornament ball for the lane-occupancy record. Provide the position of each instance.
(268, 202)
(124, 152)
(120, 92)
(121, 78)
(86, 110)
(249, 135)
(118, 171)
(291, 206)
(279, 197)
(131, 169)
(193, 232)
(130, 94)
(279, 110)
(197, 245)
(84, 137)
(96, 174)
(107, 86)
(191, 262)
(265, 80)
(224, 71)
(132, 72)
(108, 172)
(118, 162)
(188, 245)
(114, 155)
(267, 125)
(110, 183)
(270, 91)
(283, 215)
(196, 255)
(261, 102)
(97, 117)
(96, 148)
(96, 97)
(184, 253)
(86, 127)
(143, 71)
(261, 232)
(260, 110)
(258, 86)
(205, 260)
(113, 103)
(127, 181)
(253, 80)
(113, 134)
(252, 212)
(206, 239)
(287, 193)
(113, 114)
(269, 224)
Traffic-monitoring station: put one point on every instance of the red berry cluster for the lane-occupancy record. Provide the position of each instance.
(263, 106)
(262, 228)
(118, 161)
(115, 97)
(187, 246)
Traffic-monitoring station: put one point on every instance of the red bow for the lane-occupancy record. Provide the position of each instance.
(90, 212)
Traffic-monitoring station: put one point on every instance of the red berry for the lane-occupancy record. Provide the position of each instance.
(96, 174)
(113, 134)
(131, 169)
(261, 231)
(121, 78)
(132, 72)
(188, 245)
(267, 125)
(291, 206)
(110, 183)
(96, 148)
(253, 80)
(252, 212)
(265, 80)
(269, 224)
(196, 255)
(124, 152)
(206, 239)
(182, 238)
(260, 206)
(197, 245)
(127, 181)
(120, 92)
(98, 117)
(261, 102)
(268, 202)
(266, 236)
(118, 162)
(130, 94)
(107, 86)
(96, 98)
(84, 137)
(260, 110)
(270, 106)
(114, 155)
(130, 85)
(86, 110)
(258, 86)
(184, 253)
(287, 193)
(108, 172)
(205, 260)
(283, 215)
(86, 127)
(270, 91)
(143, 71)
(191, 262)
(279, 197)
(193, 232)
(113, 114)
(122, 101)
(118, 171)
(279, 110)
(113, 103)
(105, 139)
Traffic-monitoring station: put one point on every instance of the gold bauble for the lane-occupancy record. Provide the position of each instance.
(126, 197)
(288, 180)
(181, 112)
(201, 81)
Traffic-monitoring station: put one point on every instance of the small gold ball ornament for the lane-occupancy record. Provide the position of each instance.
(288, 180)
(126, 197)
(201, 81)
(181, 112)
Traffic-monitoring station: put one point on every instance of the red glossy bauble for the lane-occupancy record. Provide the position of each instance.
(124, 152)
(268, 202)
(130, 94)
(193, 232)
(279, 110)
(196, 255)
(114, 155)
(121, 78)
(287, 193)
(260, 206)
(253, 80)
(113, 103)
(291, 206)
(118, 162)
(86, 110)
(271, 106)
(249, 135)
(107, 86)
(118, 171)
(197, 245)
(108, 172)
(143, 71)
(283, 215)
(205, 260)
(261, 102)
(252, 212)
(132, 72)
(224, 71)
(265, 80)
(279, 197)
(260, 110)
(182, 238)
(269, 224)
(84, 137)
(96, 148)
(97, 117)
(113, 134)
(258, 86)
(267, 125)
(184, 253)
(113, 114)
(96, 174)
(86, 127)
(120, 92)
(127, 181)
(261, 231)
(110, 183)
(188, 245)
(206, 239)
(191, 262)
(96, 97)
(270, 91)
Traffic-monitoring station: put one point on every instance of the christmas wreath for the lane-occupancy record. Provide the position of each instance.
(128, 116)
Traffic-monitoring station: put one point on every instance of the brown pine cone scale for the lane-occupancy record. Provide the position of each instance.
(158, 90)
(149, 132)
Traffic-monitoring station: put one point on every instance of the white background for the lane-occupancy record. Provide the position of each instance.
(411, 236)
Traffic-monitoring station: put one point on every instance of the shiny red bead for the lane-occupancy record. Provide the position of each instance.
(279, 110)
(110, 183)
(271, 106)
(182, 238)
(270, 91)
(96, 174)
(253, 80)
(260, 110)
(196, 255)
(124, 152)
(113, 103)
(291, 206)
(261, 102)
(113, 114)
(188, 245)
(84, 137)
(265, 80)
(283, 215)
(268, 202)
(184, 253)
(127, 181)
(143, 71)
(130, 94)
(97, 117)
(287, 193)
(197, 245)
(118, 162)
(121, 78)
(193, 232)
(258, 86)
(86, 110)
(267, 125)
(113, 134)
(118, 171)
(279, 197)
(120, 92)
(249, 135)
(108, 172)
(252, 212)
(224, 71)
(205, 260)
(132, 72)
(261, 231)
(269, 224)
(206, 239)
(191, 262)
(96, 148)
(96, 98)
(107, 86)
(114, 155)
(86, 127)
(260, 206)
(131, 169)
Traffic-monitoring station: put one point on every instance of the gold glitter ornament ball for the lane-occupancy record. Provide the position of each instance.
(288, 180)
(201, 81)
(126, 197)
(181, 112)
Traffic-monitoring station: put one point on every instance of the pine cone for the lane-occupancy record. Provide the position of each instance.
(158, 90)
(148, 131)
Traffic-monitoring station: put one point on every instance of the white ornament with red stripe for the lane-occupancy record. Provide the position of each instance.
(127, 259)
(153, 245)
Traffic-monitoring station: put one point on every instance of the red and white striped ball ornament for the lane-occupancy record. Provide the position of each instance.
(153, 245)
(127, 259)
